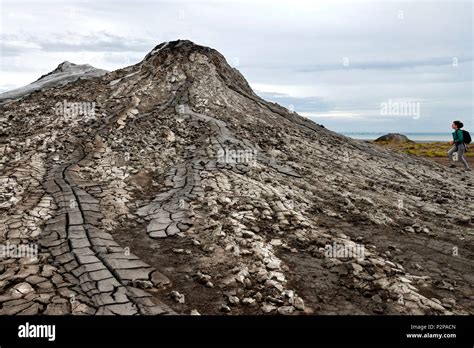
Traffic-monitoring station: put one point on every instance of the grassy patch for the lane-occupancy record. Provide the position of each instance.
(436, 149)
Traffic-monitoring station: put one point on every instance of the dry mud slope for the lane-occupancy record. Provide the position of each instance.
(183, 192)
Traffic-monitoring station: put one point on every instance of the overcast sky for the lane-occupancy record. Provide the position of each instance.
(339, 62)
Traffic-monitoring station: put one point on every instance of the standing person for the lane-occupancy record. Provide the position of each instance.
(458, 145)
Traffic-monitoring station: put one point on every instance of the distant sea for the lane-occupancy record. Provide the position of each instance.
(418, 137)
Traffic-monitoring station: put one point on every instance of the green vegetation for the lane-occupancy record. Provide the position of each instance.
(436, 149)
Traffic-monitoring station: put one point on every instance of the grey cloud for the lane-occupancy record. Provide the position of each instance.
(387, 65)
(73, 42)
(8, 49)
(364, 65)
(301, 104)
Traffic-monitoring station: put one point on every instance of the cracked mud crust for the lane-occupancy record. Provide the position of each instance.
(189, 194)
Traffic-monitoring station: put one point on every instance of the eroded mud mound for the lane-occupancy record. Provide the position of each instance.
(184, 192)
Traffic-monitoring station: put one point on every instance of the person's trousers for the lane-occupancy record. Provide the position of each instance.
(460, 149)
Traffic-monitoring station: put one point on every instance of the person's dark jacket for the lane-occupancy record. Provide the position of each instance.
(458, 137)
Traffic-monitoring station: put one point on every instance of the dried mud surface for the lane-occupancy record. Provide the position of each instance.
(187, 194)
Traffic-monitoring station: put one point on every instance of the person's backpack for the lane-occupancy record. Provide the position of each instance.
(466, 136)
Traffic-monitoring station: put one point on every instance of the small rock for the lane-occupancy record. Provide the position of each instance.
(21, 290)
(377, 298)
(203, 278)
(233, 300)
(298, 303)
(175, 295)
(436, 305)
(225, 308)
(275, 300)
(418, 267)
(286, 310)
(142, 284)
(290, 294)
(248, 234)
(248, 301)
(357, 268)
(276, 242)
(33, 279)
(57, 309)
(28, 261)
(48, 271)
(273, 264)
(267, 308)
(159, 279)
(378, 310)
(448, 302)
(240, 278)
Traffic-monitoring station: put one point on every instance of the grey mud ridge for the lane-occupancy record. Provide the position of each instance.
(109, 276)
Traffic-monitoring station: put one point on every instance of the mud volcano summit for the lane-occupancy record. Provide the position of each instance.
(169, 186)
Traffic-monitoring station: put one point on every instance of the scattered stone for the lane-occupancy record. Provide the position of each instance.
(298, 303)
(448, 302)
(225, 308)
(233, 300)
(276, 242)
(175, 295)
(248, 301)
(21, 290)
(267, 308)
(286, 310)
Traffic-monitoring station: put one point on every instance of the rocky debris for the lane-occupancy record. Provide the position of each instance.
(286, 310)
(188, 181)
(177, 296)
